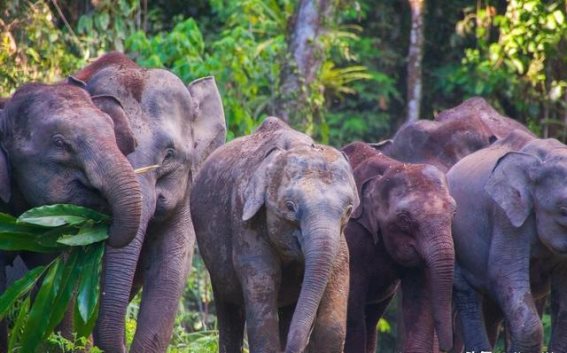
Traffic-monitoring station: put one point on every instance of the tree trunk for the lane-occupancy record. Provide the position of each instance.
(305, 56)
(415, 55)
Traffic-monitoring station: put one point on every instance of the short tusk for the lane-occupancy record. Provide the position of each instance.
(146, 169)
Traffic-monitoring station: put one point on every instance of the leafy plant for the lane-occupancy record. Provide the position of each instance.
(78, 234)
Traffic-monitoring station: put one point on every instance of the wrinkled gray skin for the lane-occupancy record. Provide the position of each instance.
(400, 233)
(269, 212)
(454, 134)
(510, 236)
(176, 128)
(58, 146)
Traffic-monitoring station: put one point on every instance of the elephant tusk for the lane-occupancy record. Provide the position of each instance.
(146, 169)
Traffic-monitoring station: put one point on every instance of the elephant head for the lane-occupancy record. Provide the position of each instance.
(308, 194)
(176, 127)
(59, 145)
(408, 208)
(531, 182)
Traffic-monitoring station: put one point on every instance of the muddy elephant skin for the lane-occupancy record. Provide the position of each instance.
(454, 134)
(510, 240)
(58, 145)
(176, 127)
(399, 235)
(269, 212)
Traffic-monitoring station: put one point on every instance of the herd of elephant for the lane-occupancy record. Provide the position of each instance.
(306, 245)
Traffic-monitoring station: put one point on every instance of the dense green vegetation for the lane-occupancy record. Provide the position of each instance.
(512, 52)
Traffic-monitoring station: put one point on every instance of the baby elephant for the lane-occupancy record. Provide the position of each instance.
(401, 232)
(269, 211)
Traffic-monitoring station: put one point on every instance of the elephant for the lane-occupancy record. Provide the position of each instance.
(399, 235)
(269, 211)
(510, 240)
(58, 145)
(176, 127)
(454, 134)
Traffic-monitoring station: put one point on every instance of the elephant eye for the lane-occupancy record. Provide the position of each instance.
(59, 142)
(563, 211)
(170, 153)
(290, 205)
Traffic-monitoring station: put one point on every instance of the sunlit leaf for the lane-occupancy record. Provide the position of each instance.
(88, 234)
(58, 215)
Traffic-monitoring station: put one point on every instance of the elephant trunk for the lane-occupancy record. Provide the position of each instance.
(114, 177)
(439, 255)
(320, 245)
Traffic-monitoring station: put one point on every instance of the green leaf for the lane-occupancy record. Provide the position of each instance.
(58, 215)
(88, 234)
(103, 20)
(87, 297)
(40, 313)
(16, 332)
(22, 241)
(18, 289)
(70, 276)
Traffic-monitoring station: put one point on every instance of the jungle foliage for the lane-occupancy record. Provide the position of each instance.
(512, 52)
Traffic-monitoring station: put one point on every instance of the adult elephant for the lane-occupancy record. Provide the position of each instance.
(269, 212)
(400, 233)
(176, 127)
(58, 146)
(510, 240)
(454, 134)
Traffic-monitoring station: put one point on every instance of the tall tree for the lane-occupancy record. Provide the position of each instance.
(415, 55)
(305, 56)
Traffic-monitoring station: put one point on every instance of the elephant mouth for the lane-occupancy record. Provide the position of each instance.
(87, 196)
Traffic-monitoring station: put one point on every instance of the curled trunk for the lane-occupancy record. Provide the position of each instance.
(439, 257)
(320, 247)
(114, 177)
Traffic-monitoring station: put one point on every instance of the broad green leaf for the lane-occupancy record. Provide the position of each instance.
(87, 297)
(70, 276)
(84, 329)
(58, 215)
(40, 312)
(16, 332)
(18, 289)
(17, 242)
(88, 234)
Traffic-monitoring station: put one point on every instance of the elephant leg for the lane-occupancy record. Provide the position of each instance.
(418, 317)
(558, 340)
(329, 329)
(230, 319)
(509, 282)
(168, 261)
(260, 277)
(373, 313)
(493, 319)
(285, 315)
(469, 312)
(356, 324)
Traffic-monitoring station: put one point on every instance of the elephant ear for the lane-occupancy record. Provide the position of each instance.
(366, 176)
(509, 185)
(255, 192)
(124, 136)
(5, 186)
(208, 125)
